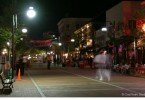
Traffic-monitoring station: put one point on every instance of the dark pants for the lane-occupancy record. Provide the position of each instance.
(21, 67)
(22, 70)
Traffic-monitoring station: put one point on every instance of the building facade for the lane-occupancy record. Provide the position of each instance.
(125, 30)
(85, 39)
(66, 27)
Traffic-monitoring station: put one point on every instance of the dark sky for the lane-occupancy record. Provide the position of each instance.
(54, 10)
(49, 12)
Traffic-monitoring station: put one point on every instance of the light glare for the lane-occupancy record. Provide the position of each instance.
(104, 29)
(31, 12)
(24, 30)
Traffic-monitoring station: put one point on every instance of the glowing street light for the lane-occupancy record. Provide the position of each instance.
(60, 44)
(4, 51)
(104, 29)
(31, 12)
(21, 39)
(24, 30)
(72, 40)
(8, 43)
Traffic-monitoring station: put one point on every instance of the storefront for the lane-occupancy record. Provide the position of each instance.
(119, 49)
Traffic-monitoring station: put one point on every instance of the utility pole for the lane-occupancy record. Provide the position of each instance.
(14, 26)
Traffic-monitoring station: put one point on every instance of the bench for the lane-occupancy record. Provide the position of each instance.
(7, 83)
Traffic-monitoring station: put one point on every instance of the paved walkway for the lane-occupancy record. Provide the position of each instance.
(71, 82)
(22, 88)
(26, 87)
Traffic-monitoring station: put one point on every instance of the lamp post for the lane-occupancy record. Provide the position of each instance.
(30, 13)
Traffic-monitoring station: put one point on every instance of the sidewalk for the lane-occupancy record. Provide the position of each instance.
(45, 83)
(22, 88)
(26, 87)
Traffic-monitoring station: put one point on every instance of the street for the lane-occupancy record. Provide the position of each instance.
(74, 82)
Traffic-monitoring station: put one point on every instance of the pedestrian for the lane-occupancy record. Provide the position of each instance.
(74, 61)
(20, 66)
(63, 61)
(48, 62)
(7, 69)
(90, 62)
(103, 62)
(17, 66)
(24, 62)
(81, 61)
(28, 63)
(55, 61)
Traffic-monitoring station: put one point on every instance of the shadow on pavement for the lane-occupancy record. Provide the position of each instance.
(6, 91)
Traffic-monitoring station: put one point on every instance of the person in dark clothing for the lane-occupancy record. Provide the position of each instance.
(81, 61)
(55, 61)
(63, 62)
(74, 62)
(90, 61)
(20, 66)
(48, 62)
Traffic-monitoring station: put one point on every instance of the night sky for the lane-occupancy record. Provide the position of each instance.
(49, 12)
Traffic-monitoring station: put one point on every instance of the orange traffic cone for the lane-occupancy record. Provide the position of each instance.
(19, 75)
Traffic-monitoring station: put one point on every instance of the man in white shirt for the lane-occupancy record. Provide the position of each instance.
(103, 61)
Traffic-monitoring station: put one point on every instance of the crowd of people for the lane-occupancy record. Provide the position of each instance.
(78, 61)
(103, 62)
(21, 64)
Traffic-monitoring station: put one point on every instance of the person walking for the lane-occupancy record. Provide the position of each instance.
(48, 62)
(103, 62)
(24, 62)
(20, 66)
(90, 62)
(55, 61)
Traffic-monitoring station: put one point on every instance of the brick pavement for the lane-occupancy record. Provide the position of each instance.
(22, 88)
(27, 87)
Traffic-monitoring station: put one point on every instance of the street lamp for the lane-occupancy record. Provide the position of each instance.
(30, 13)
(8, 43)
(72, 40)
(21, 39)
(4, 51)
(104, 29)
(60, 44)
(24, 30)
